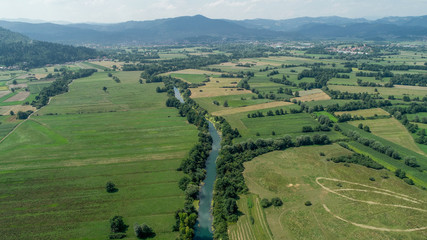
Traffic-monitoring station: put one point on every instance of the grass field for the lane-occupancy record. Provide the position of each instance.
(385, 92)
(300, 174)
(391, 130)
(54, 167)
(191, 78)
(365, 112)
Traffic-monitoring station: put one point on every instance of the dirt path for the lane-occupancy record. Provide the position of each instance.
(378, 191)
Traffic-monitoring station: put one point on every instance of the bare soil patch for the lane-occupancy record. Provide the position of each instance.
(4, 93)
(312, 95)
(250, 108)
(18, 97)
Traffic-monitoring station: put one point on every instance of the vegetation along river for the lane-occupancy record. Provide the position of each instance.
(203, 230)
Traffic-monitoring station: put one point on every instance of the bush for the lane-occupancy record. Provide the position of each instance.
(265, 203)
(143, 231)
(408, 181)
(277, 202)
(117, 225)
(372, 178)
(308, 203)
(111, 187)
(307, 129)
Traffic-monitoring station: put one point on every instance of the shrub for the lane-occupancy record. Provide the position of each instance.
(265, 203)
(143, 231)
(408, 181)
(117, 225)
(307, 203)
(372, 178)
(277, 202)
(111, 187)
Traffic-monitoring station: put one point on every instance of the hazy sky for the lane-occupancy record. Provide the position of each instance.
(109, 11)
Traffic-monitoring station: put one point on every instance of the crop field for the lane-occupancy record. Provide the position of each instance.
(233, 101)
(21, 96)
(54, 167)
(191, 78)
(341, 201)
(391, 130)
(383, 91)
(289, 124)
(366, 112)
(244, 229)
(218, 87)
(250, 108)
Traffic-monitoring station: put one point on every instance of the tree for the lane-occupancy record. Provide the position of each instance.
(225, 103)
(111, 187)
(140, 81)
(399, 173)
(12, 113)
(360, 126)
(366, 128)
(143, 231)
(14, 82)
(192, 191)
(105, 89)
(117, 225)
(296, 94)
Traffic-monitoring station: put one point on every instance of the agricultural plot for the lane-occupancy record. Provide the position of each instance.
(54, 167)
(312, 95)
(244, 109)
(365, 112)
(218, 87)
(344, 205)
(383, 91)
(233, 101)
(21, 96)
(263, 127)
(391, 130)
(190, 78)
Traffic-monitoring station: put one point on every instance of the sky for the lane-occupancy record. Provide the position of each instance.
(112, 11)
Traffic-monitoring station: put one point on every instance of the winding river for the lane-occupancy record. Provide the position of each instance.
(203, 229)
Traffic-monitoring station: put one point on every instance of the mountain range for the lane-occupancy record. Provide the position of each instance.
(200, 29)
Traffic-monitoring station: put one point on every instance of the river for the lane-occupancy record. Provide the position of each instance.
(203, 229)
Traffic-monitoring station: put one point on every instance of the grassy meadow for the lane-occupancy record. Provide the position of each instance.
(291, 175)
(55, 166)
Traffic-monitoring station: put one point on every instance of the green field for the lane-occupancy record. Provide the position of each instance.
(291, 175)
(54, 167)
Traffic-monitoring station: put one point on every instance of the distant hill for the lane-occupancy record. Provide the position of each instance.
(17, 49)
(7, 36)
(199, 29)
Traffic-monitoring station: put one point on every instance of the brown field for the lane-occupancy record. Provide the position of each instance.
(391, 130)
(5, 110)
(365, 112)
(18, 97)
(41, 75)
(218, 87)
(312, 95)
(250, 108)
(4, 93)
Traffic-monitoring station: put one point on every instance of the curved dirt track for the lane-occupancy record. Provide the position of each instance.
(378, 191)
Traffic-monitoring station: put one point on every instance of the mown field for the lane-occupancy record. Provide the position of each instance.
(297, 175)
(54, 167)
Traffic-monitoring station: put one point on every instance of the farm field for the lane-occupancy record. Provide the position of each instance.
(301, 174)
(54, 167)
(365, 112)
(391, 130)
(383, 91)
